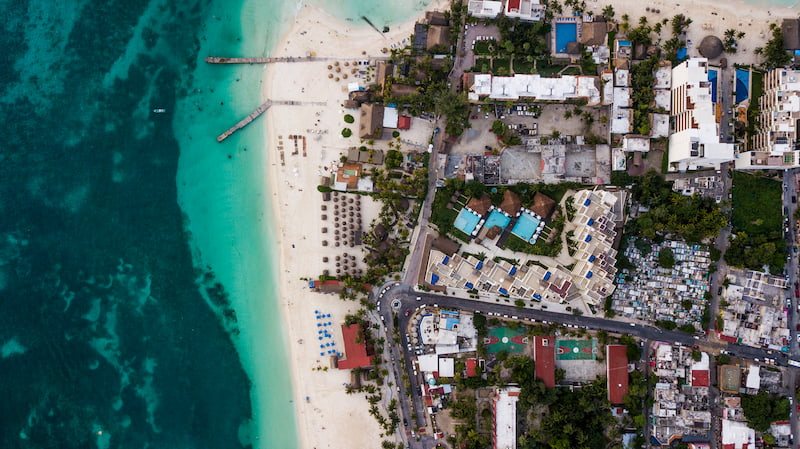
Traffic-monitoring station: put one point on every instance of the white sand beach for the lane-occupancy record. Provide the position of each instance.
(331, 418)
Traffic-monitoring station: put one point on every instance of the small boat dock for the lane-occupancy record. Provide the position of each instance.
(260, 110)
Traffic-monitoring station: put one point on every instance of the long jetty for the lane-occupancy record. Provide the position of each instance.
(260, 110)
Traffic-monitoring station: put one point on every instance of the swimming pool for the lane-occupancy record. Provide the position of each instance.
(466, 221)
(496, 218)
(565, 33)
(526, 226)
(712, 78)
(742, 85)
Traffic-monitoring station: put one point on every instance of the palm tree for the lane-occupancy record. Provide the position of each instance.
(608, 12)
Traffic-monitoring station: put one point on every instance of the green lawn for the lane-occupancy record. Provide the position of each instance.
(483, 65)
(757, 224)
(499, 63)
(482, 47)
(756, 205)
(522, 66)
(551, 70)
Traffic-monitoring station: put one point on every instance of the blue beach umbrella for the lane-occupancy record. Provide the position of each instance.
(318, 325)
(321, 353)
(319, 338)
(321, 346)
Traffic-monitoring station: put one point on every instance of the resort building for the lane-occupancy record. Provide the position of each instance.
(696, 113)
(736, 435)
(485, 9)
(776, 145)
(591, 278)
(505, 418)
(566, 87)
(525, 10)
(617, 373)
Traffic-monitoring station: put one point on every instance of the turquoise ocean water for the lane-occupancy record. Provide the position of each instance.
(137, 277)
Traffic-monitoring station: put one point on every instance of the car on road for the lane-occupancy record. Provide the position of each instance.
(719, 291)
(796, 289)
(794, 199)
(419, 298)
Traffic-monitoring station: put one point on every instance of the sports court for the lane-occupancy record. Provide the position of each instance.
(576, 349)
(504, 339)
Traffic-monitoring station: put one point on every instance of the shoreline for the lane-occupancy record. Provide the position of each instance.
(324, 413)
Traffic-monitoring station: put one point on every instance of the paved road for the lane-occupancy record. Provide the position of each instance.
(408, 302)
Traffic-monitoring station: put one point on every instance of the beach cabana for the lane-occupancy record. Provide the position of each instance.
(542, 205)
(710, 47)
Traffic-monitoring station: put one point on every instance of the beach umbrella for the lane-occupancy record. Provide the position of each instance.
(337, 245)
(346, 63)
(330, 66)
(338, 258)
(710, 47)
(353, 70)
(336, 79)
(325, 259)
(324, 217)
(336, 63)
(324, 243)
(322, 354)
(319, 338)
(344, 76)
(338, 69)
(324, 207)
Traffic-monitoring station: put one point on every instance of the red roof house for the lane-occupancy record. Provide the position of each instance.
(404, 122)
(471, 365)
(513, 6)
(544, 354)
(617, 372)
(355, 348)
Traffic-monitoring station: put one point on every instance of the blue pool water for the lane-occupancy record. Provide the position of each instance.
(565, 33)
(496, 218)
(526, 226)
(742, 85)
(712, 78)
(466, 221)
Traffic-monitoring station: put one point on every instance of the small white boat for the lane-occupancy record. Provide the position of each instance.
(159, 110)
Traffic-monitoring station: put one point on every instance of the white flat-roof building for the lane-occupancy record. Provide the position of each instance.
(566, 87)
(526, 10)
(484, 9)
(695, 141)
(776, 146)
(660, 125)
(736, 435)
(505, 418)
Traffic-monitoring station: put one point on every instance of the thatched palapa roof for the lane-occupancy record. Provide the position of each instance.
(710, 47)
(446, 246)
(511, 203)
(542, 205)
(480, 205)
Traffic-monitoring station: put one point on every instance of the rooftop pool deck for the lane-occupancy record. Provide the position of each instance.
(466, 221)
(526, 227)
(497, 218)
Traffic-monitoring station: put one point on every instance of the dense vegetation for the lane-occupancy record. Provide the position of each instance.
(763, 409)
(642, 95)
(774, 53)
(692, 218)
(756, 220)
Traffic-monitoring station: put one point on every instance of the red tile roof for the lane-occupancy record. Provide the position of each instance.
(404, 122)
(700, 378)
(355, 348)
(617, 372)
(544, 355)
(471, 365)
(512, 5)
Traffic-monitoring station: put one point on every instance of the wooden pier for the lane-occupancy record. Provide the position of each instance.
(260, 110)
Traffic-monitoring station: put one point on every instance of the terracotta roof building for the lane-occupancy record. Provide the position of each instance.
(404, 122)
(594, 33)
(355, 348)
(617, 373)
(371, 123)
(544, 354)
(349, 173)
(382, 72)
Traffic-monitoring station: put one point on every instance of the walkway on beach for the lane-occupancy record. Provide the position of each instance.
(220, 60)
(260, 110)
